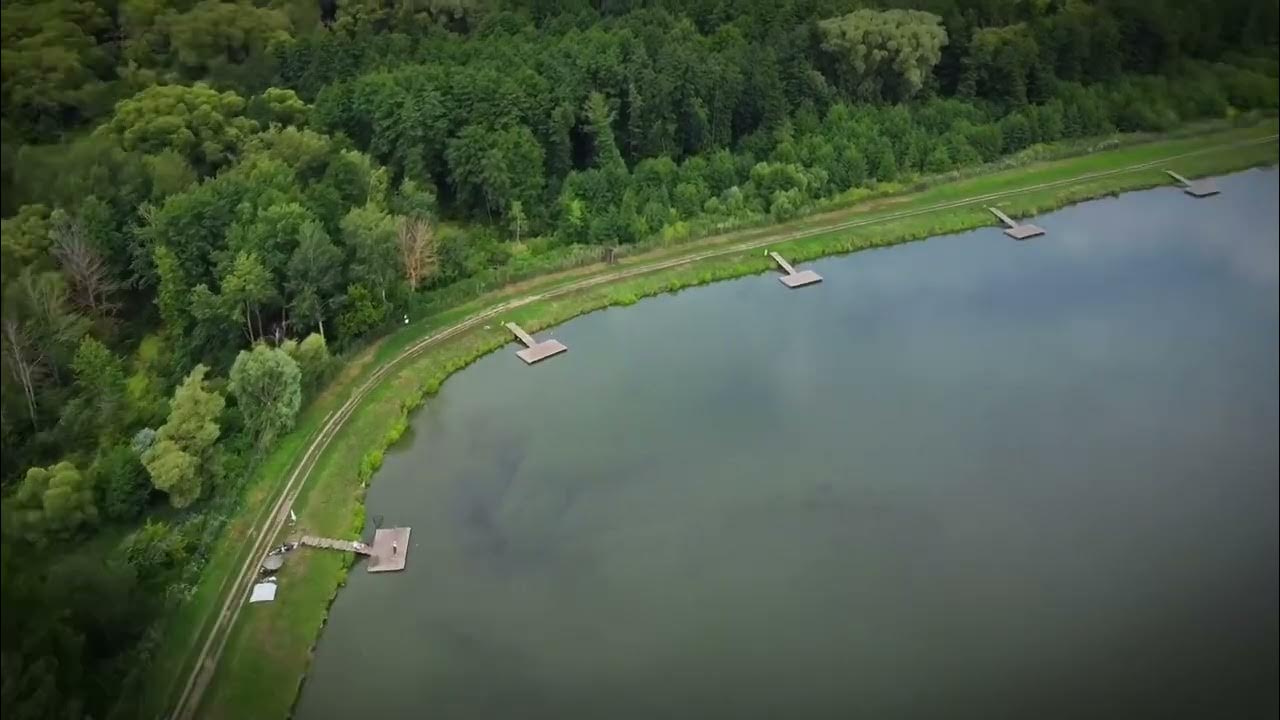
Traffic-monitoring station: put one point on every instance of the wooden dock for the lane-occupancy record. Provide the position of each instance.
(534, 351)
(390, 550)
(1195, 188)
(793, 279)
(1014, 229)
(388, 553)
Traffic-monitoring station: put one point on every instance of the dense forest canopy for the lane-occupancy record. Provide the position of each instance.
(201, 198)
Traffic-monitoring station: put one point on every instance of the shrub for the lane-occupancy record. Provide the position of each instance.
(155, 551)
(123, 482)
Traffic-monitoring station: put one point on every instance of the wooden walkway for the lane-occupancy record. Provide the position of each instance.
(333, 544)
(793, 279)
(1195, 188)
(534, 350)
(1015, 230)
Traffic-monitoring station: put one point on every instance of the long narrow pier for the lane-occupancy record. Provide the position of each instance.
(1014, 229)
(534, 351)
(1195, 188)
(793, 279)
(335, 544)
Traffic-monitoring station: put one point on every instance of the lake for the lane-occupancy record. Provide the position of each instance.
(964, 477)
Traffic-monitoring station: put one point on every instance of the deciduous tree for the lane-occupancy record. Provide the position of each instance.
(267, 385)
(882, 54)
(183, 444)
(203, 125)
(53, 502)
(416, 242)
(91, 280)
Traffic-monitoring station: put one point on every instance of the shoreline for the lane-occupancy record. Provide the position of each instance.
(346, 455)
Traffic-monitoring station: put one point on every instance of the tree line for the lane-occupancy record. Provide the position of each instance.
(201, 198)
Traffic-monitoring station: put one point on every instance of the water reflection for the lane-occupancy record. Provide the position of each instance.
(964, 477)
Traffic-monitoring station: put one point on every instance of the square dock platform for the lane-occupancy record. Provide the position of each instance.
(541, 351)
(1023, 232)
(1201, 188)
(800, 279)
(385, 557)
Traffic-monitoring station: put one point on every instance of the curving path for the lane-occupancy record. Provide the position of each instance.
(203, 670)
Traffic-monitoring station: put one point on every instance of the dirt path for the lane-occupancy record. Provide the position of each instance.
(203, 671)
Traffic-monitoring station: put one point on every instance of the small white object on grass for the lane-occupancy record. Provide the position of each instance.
(263, 592)
(406, 319)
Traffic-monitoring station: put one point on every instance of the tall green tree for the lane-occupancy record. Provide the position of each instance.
(100, 382)
(314, 275)
(267, 385)
(245, 289)
(369, 233)
(492, 168)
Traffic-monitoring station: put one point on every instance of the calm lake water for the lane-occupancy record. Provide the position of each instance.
(966, 477)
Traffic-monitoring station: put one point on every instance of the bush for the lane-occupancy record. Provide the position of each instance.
(1016, 131)
(155, 551)
(313, 358)
(938, 161)
(786, 204)
(123, 482)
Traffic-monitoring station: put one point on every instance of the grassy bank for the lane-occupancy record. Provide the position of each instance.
(269, 646)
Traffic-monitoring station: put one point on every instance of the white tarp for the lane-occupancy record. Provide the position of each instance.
(263, 592)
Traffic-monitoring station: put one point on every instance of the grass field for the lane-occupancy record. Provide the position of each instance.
(268, 647)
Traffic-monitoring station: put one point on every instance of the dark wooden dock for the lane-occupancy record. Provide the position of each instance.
(1014, 229)
(793, 279)
(534, 350)
(1195, 188)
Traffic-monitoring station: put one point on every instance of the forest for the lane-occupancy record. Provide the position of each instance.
(207, 203)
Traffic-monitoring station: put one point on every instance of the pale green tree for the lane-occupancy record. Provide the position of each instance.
(875, 55)
(177, 461)
(267, 386)
(174, 471)
(52, 502)
(199, 123)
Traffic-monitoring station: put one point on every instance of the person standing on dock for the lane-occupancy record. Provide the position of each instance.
(395, 547)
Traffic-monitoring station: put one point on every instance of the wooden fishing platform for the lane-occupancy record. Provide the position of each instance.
(1016, 230)
(1195, 188)
(534, 351)
(388, 553)
(390, 550)
(793, 279)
